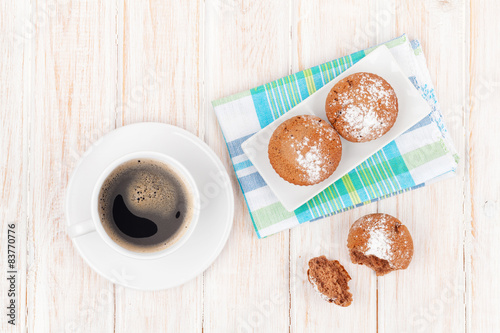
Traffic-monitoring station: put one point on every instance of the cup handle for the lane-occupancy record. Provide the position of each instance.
(81, 228)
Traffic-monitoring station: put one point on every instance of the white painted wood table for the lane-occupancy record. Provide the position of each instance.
(71, 71)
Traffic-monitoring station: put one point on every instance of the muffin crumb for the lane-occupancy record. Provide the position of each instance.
(330, 280)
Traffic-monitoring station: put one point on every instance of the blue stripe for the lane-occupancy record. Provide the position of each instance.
(355, 57)
(242, 165)
(391, 150)
(262, 109)
(405, 179)
(424, 122)
(234, 146)
(346, 199)
(301, 80)
(398, 165)
(251, 182)
(318, 81)
(303, 214)
(358, 185)
(414, 81)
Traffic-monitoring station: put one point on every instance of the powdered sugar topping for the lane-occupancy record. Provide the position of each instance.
(310, 158)
(364, 107)
(379, 244)
(311, 163)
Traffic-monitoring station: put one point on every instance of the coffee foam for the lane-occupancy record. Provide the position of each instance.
(152, 190)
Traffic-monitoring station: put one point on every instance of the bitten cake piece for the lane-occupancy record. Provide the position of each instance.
(362, 107)
(329, 278)
(305, 150)
(381, 242)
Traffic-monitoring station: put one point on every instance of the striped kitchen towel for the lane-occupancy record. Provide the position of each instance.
(419, 156)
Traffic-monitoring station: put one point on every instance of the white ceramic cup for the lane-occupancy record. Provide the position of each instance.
(94, 224)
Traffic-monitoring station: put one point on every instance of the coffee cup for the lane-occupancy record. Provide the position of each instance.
(144, 205)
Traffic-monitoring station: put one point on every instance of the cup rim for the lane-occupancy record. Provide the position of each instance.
(160, 157)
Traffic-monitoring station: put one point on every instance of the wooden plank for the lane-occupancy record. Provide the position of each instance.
(159, 80)
(74, 94)
(318, 37)
(429, 295)
(246, 44)
(15, 94)
(159, 72)
(483, 303)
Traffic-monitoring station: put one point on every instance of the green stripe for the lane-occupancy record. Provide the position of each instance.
(269, 215)
(317, 204)
(348, 61)
(340, 202)
(390, 174)
(271, 100)
(376, 174)
(283, 98)
(331, 198)
(295, 89)
(286, 94)
(390, 44)
(332, 70)
(351, 189)
(423, 155)
(313, 208)
(323, 72)
(336, 67)
(326, 201)
(321, 207)
(291, 94)
(366, 180)
(311, 88)
(390, 185)
(231, 98)
(371, 177)
(276, 97)
(327, 71)
(342, 67)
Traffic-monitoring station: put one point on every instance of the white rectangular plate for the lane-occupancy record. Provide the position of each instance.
(412, 108)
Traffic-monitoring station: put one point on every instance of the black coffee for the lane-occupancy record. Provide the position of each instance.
(145, 206)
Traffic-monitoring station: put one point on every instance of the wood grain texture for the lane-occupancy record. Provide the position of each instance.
(74, 93)
(159, 80)
(246, 44)
(15, 94)
(430, 294)
(483, 303)
(71, 71)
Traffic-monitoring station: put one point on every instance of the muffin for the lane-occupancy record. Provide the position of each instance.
(329, 279)
(305, 150)
(362, 107)
(381, 242)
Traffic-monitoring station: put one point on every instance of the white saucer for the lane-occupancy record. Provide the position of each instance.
(212, 230)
